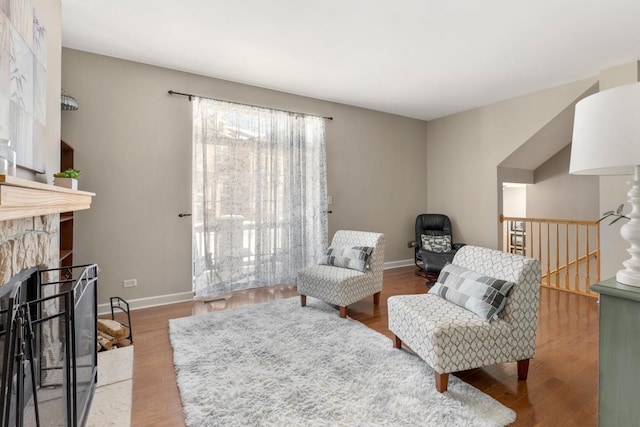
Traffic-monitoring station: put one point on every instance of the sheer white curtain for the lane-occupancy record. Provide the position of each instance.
(259, 196)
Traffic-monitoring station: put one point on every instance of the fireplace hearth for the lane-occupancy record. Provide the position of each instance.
(48, 339)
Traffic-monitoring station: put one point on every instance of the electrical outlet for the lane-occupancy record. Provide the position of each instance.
(130, 283)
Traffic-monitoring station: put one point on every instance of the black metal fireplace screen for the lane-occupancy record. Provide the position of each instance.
(48, 328)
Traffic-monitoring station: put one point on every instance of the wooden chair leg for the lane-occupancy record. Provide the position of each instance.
(397, 342)
(442, 382)
(523, 369)
(376, 298)
(343, 312)
(303, 300)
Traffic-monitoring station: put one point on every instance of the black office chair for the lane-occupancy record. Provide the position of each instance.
(430, 262)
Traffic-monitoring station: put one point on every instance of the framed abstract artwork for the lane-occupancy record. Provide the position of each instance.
(23, 82)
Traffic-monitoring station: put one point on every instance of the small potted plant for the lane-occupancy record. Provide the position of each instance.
(67, 179)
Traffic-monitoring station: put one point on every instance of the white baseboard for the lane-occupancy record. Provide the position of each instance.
(398, 264)
(155, 301)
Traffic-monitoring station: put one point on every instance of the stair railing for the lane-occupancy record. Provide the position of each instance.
(568, 250)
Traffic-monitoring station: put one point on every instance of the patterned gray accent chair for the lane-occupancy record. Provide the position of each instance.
(343, 286)
(450, 338)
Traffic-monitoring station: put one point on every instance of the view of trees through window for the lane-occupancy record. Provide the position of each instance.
(259, 195)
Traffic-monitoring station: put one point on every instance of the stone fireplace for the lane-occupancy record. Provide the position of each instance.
(29, 223)
(26, 243)
(29, 242)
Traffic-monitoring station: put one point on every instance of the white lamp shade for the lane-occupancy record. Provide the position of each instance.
(606, 133)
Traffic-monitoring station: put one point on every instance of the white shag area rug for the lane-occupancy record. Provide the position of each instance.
(279, 364)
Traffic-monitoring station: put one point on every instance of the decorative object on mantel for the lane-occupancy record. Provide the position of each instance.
(7, 158)
(68, 102)
(67, 179)
(24, 82)
(606, 141)
(70, 183)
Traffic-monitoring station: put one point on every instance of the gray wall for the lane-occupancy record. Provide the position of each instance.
(558, 195)
(464, 151)
(133, 141)
(133, 144)
(514, 202)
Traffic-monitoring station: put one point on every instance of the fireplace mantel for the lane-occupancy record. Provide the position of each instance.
(21, 198)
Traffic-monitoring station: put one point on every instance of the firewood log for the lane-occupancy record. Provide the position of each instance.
(113, 328)
(105, 343)
(107, 337)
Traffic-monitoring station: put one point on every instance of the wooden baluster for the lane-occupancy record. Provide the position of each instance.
(576, 284)
(548, 254)
(598, 255)
(587, 279)
(557, 255)
(566, 257)
(539, 241)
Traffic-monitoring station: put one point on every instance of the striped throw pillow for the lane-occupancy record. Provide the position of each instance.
(482, 295)
(353, 257)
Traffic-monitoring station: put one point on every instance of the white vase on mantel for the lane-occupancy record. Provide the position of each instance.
(71, 183)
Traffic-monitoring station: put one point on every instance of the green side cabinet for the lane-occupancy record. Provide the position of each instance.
(619, 359)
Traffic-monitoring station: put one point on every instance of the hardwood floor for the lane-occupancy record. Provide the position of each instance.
(562, 388)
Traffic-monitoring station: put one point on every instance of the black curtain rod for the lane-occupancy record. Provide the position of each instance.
(191, 96)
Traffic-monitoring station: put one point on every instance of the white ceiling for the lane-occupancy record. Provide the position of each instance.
(416, 58)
